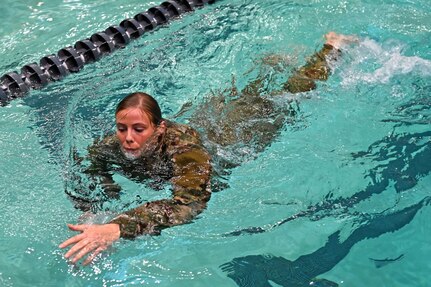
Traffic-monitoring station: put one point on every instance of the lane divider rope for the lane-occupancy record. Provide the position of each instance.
(72, 59)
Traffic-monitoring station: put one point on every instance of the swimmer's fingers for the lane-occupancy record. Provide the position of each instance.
(85, 250)
(93, 238)
(72, 240)
(78, 227)
(77, 247)
(93, 255)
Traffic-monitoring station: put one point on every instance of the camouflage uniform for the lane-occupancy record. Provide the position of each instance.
(253, 117)
(317, 68)
(176, 155)
(179, 156)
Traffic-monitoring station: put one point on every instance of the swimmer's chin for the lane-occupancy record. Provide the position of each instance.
(131, 154)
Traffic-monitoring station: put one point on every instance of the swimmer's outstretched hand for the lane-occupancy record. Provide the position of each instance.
(93, 239)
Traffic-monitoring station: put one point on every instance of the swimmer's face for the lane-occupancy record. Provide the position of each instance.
(134, 128)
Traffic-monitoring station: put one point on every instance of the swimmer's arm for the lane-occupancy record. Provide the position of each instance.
(81, 188)
(101, 176)
(86, 176)
(98, 169)
(190, 194)
(92, 238)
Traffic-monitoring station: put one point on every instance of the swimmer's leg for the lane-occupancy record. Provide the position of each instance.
(317, 67)
(249, 115)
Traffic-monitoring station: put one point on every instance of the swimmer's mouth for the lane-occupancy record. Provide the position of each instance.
(130, 150)
(131, 154)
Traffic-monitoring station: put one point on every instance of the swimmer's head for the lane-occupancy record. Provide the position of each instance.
(138, 118)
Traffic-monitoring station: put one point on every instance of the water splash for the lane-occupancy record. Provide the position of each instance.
(372, 62)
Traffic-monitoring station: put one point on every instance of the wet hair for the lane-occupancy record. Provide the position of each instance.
(145, 103)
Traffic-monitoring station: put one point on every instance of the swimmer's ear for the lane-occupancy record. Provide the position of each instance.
(162, 126)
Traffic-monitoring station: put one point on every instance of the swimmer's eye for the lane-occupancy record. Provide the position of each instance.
(121, 129)
(139, 130)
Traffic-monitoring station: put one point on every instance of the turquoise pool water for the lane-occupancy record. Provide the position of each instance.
(355, 162)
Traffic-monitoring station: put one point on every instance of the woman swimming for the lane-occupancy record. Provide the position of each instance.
(146, 146)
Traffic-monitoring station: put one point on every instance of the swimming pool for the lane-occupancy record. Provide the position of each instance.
(355, 159)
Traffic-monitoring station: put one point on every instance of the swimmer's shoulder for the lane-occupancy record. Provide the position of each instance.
(104, 144)
(181, 129)
(182, 135)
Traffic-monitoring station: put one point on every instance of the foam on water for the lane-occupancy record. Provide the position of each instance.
(371, 62)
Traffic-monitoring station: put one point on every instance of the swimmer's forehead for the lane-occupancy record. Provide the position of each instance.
(132, 116)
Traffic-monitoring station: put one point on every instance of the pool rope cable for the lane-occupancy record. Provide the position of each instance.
(72, 59)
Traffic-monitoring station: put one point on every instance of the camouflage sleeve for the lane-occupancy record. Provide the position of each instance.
(89, 182)
(98, 169)
(191, 191)
(316, 68)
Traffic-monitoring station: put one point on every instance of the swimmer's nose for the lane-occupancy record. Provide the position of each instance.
(129, 137)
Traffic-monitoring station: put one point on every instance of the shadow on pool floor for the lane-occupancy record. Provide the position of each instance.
(258, 270)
